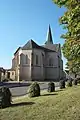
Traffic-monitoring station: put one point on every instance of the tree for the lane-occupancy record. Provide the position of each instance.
(71, 21)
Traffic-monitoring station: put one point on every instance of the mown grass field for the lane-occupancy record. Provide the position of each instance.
(59, 105)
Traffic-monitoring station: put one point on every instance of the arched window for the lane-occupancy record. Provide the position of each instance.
(26, 59)
(36, 59)
(50, 61)
(22, 59)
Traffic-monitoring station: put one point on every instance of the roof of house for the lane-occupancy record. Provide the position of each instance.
(2, 69)
(10, 69)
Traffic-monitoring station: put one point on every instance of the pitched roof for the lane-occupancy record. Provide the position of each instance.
(29, 45)
(17, 50)
(2, 69)
(11, 69)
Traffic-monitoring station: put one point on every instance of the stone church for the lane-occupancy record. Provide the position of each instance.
(35, 62)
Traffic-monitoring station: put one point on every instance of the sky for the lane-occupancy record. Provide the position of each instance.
(22, 20)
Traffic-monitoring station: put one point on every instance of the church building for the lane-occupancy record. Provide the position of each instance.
(34, 62)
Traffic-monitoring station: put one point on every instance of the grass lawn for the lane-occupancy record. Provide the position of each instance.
(59, 105)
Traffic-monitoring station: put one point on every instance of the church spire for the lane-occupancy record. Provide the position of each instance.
(49, 37)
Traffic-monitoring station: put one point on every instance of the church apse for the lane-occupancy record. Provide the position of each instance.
(39, 62)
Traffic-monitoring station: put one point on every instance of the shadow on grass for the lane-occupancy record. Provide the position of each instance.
(22, 104)
(60, 90)
(49, 94)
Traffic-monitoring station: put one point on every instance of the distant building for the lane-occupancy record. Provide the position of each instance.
(2, 74)
(34, 62)
(10, 74)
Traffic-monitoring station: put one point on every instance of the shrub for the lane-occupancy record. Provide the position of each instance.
(75, 82)
(62, 84)
(5, 80)
(51, 87)
(5, 97)
(69, 83)
(78, 80)
(34, 90)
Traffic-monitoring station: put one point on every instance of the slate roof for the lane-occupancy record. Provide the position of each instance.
(2, 69)
(10, 69)
(31, 44)
(17, 50)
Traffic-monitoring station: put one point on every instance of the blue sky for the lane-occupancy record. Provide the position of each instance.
(22, 20)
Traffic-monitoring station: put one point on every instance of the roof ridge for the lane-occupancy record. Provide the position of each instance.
(30, 44)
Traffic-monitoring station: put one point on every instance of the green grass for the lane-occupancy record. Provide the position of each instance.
(59, 105)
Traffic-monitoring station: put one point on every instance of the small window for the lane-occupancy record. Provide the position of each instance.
(36, 59)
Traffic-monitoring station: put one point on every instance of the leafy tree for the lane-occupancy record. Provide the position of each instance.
(71, 22)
